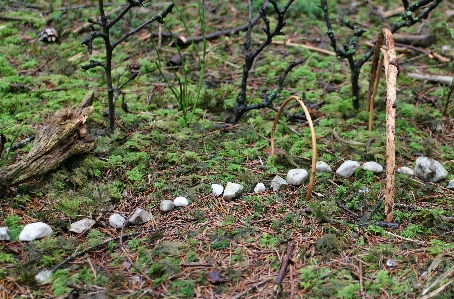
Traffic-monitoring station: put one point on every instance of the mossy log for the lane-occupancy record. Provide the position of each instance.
(62, 136)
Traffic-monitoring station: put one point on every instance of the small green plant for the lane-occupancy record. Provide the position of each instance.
(183, 93)
(184, 289)
(268, 241)
(13, 223)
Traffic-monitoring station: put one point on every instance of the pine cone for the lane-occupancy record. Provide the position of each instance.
(48, 35)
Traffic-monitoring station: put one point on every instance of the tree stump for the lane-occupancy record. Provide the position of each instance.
(62, 136)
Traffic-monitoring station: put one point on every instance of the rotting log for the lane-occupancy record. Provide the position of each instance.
(62, 136)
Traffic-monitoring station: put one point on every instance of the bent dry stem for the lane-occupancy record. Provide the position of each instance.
(314, 141)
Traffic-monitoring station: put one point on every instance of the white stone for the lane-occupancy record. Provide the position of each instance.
(450, 186)
(322, 167)
(363, 189)
(260, 187)
(43, 276)
(348, 168)
(35, 231)
(278, 183)
(296, 176)
(405, 170)
(4, 234)
(217, 189)
(390, 263)
(181, 201)
(166, 205)
(140, 216)
(81, 225)
(117, 221)
(428, 169)
(232, 191)
(373, 166)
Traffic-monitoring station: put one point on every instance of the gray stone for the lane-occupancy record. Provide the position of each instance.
(428, 169)
(348, 168)
(322, 167)
(260, 187)
(278, 183)
(140, 216)
(181, 201)
(81, 225)
(166, 205)
(4, 234)
(373, 166)
(405, 170)
(117, 221)
(232, 191)
(35, 231)
(296, 176)
(450, 185)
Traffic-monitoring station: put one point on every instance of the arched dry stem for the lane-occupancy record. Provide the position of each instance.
(314, 141)
(391, 70)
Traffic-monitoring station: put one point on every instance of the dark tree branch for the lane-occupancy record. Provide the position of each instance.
(407, 16)
(183, 41)
(120, 15)
(113, 93)
(89, 41)
(159, 18)
(350, 49)
(241, 106)
(93, 64)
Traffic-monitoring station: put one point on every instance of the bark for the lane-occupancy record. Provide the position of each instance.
(61, 137)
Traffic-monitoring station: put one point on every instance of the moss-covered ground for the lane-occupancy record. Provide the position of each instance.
(339, 252)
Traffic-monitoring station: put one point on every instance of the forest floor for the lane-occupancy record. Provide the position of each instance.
(215, 248)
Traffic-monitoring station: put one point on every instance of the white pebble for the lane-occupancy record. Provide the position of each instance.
(296, 176)
(347, 168)
(43, 276)
(4, 234)
(232, 191)
(35, 231)
(181, 201)
(373, 166)
(260, 187)
(81, 225)
(166, 205)
(322, 167)
(405, 170)
(217, 189)
(117, 221)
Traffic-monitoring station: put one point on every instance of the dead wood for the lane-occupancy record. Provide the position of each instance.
(433, 78)
(286, 260)
(421, 40)
(391, 72)
(61, 137)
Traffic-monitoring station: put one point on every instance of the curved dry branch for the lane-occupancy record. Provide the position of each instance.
(314, 140)
(391, 70)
